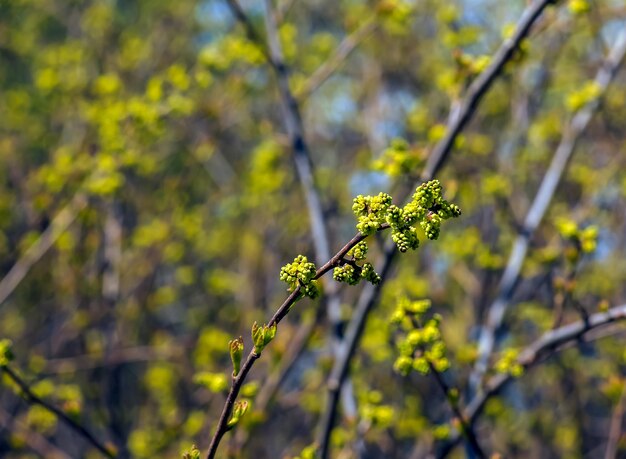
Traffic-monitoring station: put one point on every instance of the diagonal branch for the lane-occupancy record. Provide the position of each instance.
(344, 49)
(564, 151)
(536, 352)
(436, 159)
(281, 312)
(33, 439)
(304, 166)
(59, 224)
(480, 86)
(34, 399)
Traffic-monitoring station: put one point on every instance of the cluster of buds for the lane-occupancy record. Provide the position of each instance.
(422, 347)
(300, 273)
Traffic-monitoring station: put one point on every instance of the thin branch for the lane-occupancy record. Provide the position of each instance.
(252, 357)
(564, 151)
(304, 166)
(480, 85)
(34, 399)
(344, 49)
(116, 357)
(435, 161)
(536, 352)
(59, 224)
(615, 431)
(34, 440)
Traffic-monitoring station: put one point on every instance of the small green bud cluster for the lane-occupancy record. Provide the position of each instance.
(508, 363)
(6, 354)
(585, 240)
(359, 251)
(351, 273)
(370, 212)
(236, 353)
(423, 344)
(300, 272)
(428, 207)
(239, 410)
(262, 336)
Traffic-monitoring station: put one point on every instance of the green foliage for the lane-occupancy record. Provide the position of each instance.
(148, 197)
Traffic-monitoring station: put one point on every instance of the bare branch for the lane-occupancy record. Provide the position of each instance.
(536, 352)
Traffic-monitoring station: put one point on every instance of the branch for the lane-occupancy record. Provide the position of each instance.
(479, 87)
(435, 161)
(33, 398)
(550, 342)
(34, 440)
(344, 49)
(467, 428)
(280, 313)
(564, 151)
(302, 158)
(59, 224)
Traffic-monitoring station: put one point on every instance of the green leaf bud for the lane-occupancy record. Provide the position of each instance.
(192, 453)
(239, 410)
(236, 353)
(261, 336)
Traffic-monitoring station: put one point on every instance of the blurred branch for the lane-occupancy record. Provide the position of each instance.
(452, 399)
(615, 431)
(479, 87)
(59, 224)
(577, 125)
(344, 49)
(34, 440)
(304, 165)
(435, 161)
(115, 357)
(34, 399)
(550, 342)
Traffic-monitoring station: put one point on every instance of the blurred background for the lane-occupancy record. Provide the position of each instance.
(149, 197)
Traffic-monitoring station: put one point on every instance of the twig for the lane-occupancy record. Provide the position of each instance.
(34, 440)
(435, 161)
(579, 122)
(344, 49)
(59, 224)
(33, 398)
(551, 341)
